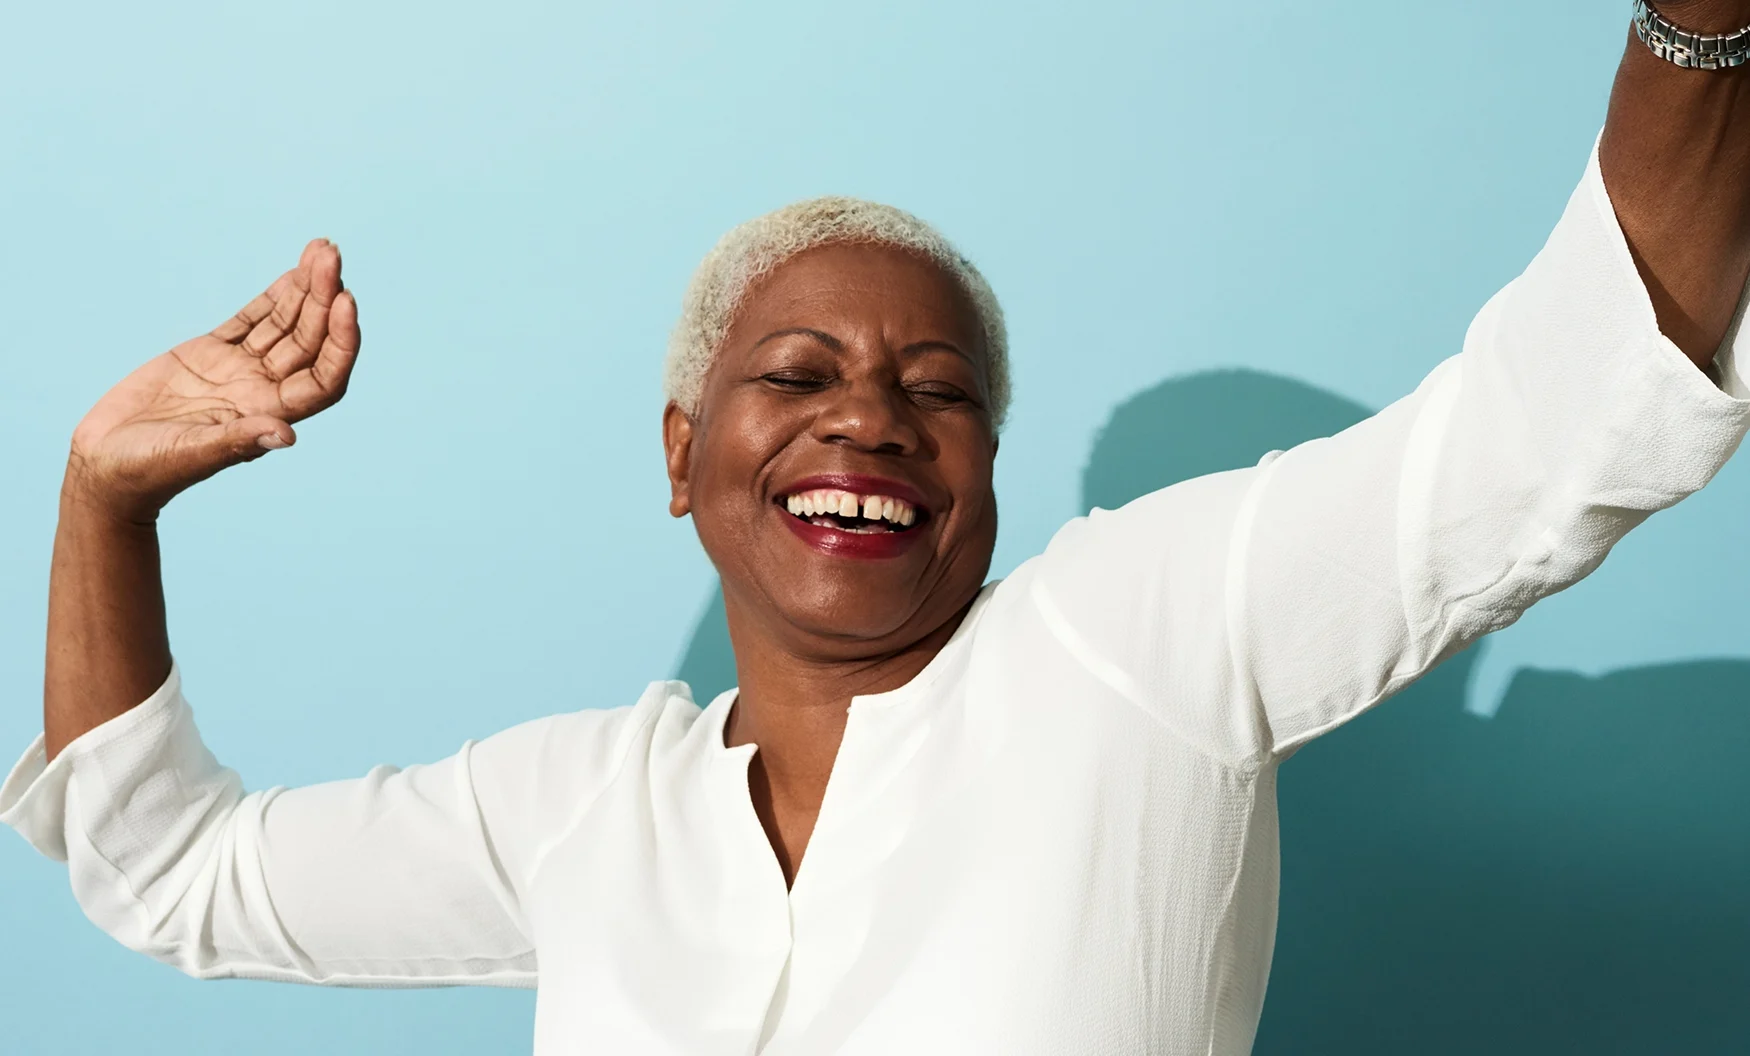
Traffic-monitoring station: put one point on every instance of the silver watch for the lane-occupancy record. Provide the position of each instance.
(1698, 51)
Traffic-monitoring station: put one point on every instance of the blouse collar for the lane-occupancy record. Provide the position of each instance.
(716, 714)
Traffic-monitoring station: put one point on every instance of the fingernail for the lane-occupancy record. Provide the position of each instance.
(271, 441)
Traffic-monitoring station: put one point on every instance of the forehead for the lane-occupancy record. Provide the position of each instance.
(904, 295)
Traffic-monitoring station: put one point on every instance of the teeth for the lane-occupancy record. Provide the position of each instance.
(847, 504)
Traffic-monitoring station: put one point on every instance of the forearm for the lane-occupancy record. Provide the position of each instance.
(108, 647)
(1676, 160)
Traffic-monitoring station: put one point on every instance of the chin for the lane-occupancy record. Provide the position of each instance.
(854, 613)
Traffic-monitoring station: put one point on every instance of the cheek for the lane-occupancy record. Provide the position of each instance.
(967, 461)
(967, 455)
(739, 440)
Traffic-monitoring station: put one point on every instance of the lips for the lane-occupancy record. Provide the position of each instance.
(853, 515)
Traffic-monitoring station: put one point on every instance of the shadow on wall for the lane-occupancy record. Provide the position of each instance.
(1570, 876)
(709, 663)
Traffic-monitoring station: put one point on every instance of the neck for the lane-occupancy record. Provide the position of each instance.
(793, 704)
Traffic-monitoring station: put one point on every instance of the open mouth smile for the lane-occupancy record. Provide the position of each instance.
(848, 511)
(854, 516)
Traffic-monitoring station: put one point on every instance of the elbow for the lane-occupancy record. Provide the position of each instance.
(176, 897)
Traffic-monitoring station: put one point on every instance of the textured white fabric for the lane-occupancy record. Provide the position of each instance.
(1059, 838)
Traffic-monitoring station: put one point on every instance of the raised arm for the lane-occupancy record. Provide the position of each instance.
(412, 876)
(1255, 609)
(217, 400)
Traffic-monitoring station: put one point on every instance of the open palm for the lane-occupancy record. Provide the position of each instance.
(225, 397)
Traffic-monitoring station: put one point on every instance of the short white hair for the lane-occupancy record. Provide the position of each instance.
(750, 252)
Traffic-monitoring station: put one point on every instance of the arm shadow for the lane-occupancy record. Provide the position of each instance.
(1567, 877)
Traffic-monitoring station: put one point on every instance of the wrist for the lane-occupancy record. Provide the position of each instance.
(87, 496)
(1706, 16)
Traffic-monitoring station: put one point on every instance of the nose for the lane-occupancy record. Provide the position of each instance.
(871, 414)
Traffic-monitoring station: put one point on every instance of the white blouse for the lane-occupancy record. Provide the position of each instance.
(1059, 838)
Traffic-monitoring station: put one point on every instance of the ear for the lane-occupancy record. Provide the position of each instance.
(677, 446)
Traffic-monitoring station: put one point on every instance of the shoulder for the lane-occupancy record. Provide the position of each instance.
(1200, 507)
(1134, 605)
(596, 734)
(568, 755)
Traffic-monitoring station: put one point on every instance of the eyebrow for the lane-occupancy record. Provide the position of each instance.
(941, 346)
(838, 346)
(804, 331)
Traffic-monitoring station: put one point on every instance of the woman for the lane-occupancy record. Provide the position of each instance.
(937, 814)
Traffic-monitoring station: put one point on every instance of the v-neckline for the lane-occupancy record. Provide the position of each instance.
(717, 719)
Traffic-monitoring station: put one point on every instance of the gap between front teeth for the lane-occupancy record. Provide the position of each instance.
(848, 504)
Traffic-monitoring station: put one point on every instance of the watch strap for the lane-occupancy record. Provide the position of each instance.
(1681, 47)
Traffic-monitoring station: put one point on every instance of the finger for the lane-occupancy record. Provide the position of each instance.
(322, 384)
(301, 348)
(268, 333)
(238, 326)
(310, 249)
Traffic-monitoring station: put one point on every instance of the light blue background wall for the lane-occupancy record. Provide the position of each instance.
(478, 536)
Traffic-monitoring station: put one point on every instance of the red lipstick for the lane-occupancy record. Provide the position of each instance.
(841, 543)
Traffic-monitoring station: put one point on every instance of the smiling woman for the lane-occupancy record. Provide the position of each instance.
(937, 813)
(854, 371)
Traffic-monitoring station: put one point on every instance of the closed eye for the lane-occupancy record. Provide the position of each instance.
(938, 395)
(793, 381)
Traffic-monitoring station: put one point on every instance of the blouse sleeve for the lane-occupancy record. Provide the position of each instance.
(403, 877)
(1254, 610)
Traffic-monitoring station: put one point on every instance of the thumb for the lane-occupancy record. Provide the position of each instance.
(247, 439)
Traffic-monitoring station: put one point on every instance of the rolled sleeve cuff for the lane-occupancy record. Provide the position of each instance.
(1688, 423)
(1734, 359)
(33, 798)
